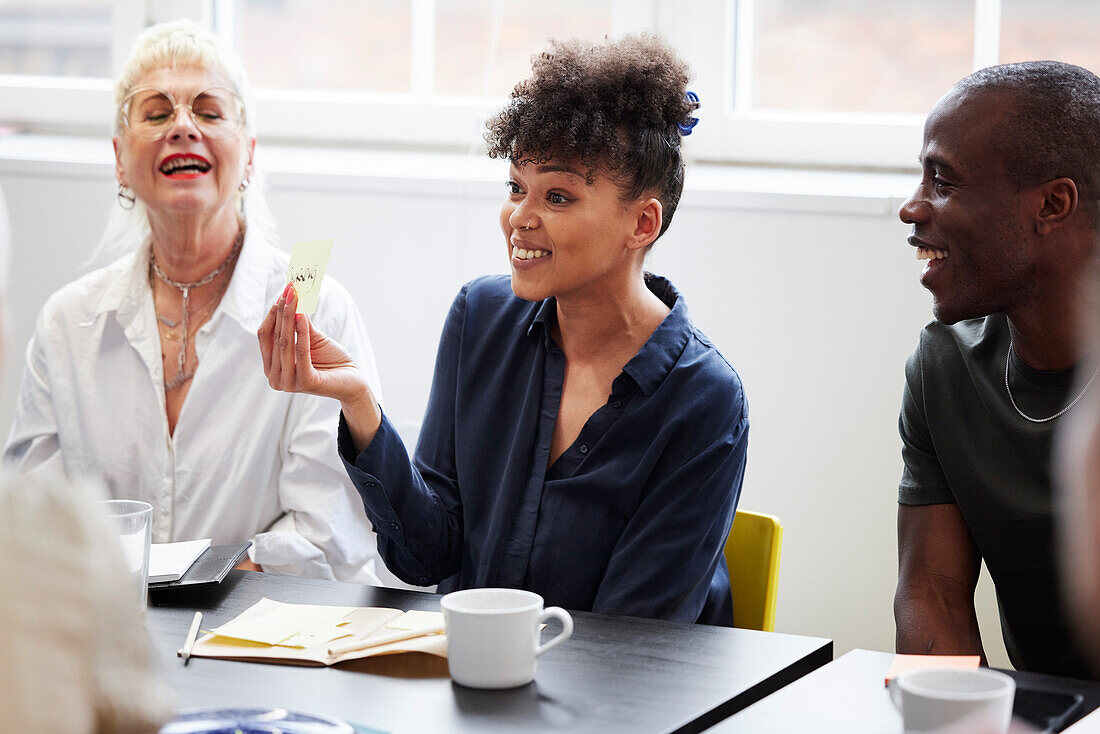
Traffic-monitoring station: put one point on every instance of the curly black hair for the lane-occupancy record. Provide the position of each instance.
(617, 106)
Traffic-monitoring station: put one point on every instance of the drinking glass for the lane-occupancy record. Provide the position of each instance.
(134, 522)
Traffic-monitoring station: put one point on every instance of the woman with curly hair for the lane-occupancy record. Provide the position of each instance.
(582, 439)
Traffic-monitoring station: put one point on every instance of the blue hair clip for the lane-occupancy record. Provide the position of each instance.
(686, 127)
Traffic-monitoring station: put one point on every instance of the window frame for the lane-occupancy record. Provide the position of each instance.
(728, 133)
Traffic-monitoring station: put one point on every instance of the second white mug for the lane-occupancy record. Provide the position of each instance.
(936, 697)
(493, 635)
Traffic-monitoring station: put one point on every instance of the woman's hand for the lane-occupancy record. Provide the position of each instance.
(299, 358)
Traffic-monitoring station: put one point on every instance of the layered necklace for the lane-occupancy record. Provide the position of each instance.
(1063, 411)
(182, 375)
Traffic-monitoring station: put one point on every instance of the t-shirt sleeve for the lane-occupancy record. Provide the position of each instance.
(922, 479)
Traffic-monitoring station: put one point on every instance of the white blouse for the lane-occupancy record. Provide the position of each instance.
(245, 461)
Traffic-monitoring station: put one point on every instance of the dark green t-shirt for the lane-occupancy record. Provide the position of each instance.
(964, 443)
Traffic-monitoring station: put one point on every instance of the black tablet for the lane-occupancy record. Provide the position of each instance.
(209, 568)
(1048, 710)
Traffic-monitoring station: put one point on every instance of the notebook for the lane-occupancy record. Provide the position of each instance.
(211, 567)
(170, 561)
(308, 634)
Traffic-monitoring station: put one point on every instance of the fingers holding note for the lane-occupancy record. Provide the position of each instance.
(298, 357)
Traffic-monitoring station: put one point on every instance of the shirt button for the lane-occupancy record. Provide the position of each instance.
(617, 404)
(395, 526)
(423, 580)
(584, 448)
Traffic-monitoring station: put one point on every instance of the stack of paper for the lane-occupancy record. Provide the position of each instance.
(170, 561)
(307, 634)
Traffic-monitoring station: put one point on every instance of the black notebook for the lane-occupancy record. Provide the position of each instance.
(209, 568)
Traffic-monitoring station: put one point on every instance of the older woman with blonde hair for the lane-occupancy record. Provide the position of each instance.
(138, 373)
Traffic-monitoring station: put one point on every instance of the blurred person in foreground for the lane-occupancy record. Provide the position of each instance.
(582, 439)
(74, 654)
(144, 373)
(1006, 216)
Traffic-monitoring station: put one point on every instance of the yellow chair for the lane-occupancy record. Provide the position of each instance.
(752, 554)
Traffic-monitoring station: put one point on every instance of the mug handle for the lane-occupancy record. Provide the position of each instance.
(566, 628)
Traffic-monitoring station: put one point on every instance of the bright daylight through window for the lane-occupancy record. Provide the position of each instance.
(822, 82)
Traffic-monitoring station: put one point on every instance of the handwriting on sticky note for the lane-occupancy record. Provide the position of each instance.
(912, 662)
(308, 261)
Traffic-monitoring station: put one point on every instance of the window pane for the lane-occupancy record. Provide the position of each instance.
(1065, 30)
(56, 37)
(859, 55)
(484, 47)
(358, 45)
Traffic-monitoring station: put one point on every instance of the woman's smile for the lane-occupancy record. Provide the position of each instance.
(527, 255)
(185, 166)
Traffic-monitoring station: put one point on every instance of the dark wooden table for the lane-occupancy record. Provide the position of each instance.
(848, 695)
(615, 674)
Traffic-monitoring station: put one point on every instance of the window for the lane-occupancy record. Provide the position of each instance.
(366, 44)
(801, 82)
(854, 55)
(409, 72)
(62, 38)
(1065, 30)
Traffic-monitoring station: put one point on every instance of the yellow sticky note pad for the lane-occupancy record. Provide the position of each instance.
(271, 622)
(308, 261)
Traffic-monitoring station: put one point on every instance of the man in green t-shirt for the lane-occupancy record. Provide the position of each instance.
(1005, 217)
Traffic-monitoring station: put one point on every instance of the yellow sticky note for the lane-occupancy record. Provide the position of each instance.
(913, 662)
(273, 622)
(416, 619)
(308, 261)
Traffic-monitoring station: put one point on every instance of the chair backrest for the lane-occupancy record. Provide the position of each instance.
(752, 555)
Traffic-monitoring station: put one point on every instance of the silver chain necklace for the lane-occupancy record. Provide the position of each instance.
(182, 375)
(1063, 411)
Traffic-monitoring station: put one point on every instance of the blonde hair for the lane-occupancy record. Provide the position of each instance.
(182, 42)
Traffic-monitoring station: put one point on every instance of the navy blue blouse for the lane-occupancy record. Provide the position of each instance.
(631, 519)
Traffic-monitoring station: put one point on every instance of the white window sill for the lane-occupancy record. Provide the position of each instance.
(710, 186)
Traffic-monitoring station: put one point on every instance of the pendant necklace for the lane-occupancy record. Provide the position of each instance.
(182, 375)
(1063, 411)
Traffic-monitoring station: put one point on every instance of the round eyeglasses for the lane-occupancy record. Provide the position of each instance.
(149, 113)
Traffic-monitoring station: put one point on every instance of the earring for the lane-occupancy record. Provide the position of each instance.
(243, 186)
(125, 197)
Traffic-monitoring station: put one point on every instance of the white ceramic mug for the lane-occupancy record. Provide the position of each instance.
(493, 635)
(134, 522)
(931, 698)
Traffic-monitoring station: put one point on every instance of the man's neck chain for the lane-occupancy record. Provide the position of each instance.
(1063, 411)
(182, 375)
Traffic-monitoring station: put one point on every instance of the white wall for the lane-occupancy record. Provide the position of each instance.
(805, 283)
